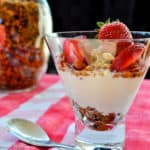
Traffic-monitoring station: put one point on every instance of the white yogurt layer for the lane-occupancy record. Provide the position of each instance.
(105, 93)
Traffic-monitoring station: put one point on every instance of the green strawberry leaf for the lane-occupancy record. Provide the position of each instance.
(117, 20)
(107, 21)
(100, 24)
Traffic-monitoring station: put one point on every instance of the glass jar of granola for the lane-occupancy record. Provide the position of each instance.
(23, 60)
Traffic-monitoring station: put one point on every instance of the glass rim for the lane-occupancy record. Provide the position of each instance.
(80, 32)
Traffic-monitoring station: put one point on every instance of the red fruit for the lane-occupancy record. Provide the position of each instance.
(116, 30)
(2, 35)
(74, 54)
(122, 45)
(127, 57)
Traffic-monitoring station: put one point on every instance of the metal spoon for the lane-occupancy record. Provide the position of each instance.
(33, 134)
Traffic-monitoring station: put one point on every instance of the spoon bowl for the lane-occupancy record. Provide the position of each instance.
(31, 133)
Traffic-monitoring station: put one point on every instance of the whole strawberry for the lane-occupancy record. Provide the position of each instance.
(115, 30)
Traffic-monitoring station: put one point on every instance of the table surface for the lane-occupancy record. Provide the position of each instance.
(48, 106)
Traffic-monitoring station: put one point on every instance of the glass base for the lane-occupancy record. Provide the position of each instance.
(89, 139)
(85, 146)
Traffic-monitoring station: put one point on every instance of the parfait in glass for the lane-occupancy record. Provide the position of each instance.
(102, 72)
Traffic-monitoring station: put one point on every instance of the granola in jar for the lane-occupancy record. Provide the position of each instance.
(22, 48)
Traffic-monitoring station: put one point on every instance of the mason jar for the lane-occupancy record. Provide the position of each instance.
(23, 52)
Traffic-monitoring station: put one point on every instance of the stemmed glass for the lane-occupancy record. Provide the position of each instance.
(101, 85)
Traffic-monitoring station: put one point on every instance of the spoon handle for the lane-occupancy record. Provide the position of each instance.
(69, 147)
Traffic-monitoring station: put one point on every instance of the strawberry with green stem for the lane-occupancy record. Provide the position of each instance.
(128, 52)
(115, 30)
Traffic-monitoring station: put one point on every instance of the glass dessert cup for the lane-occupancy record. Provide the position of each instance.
(100, 93)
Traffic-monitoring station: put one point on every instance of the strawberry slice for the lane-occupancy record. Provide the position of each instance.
(122, 44)
(74, 54)
(127, 57)
(2, 35)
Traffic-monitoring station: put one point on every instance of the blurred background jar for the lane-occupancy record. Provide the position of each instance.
(23, 52)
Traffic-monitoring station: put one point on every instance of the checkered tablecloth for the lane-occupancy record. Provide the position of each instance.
(48, 106)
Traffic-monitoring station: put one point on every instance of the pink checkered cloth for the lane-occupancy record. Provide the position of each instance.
(48, 106)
